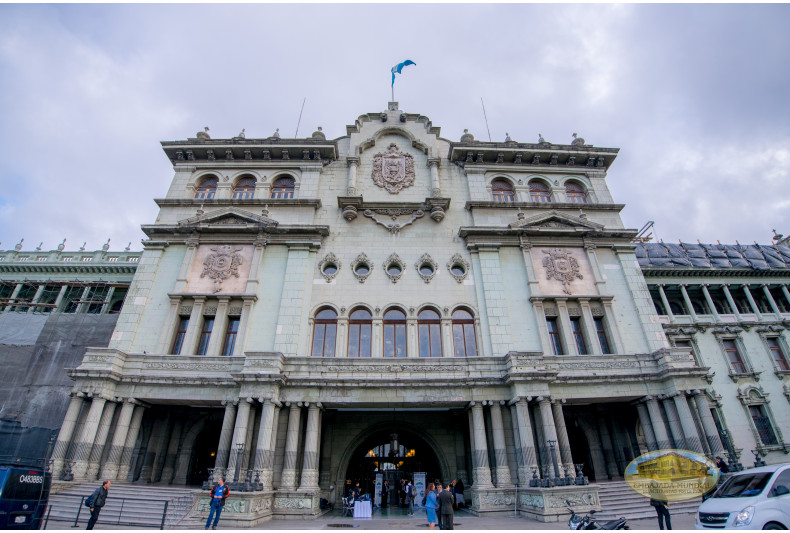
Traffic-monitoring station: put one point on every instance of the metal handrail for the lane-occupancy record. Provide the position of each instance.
(118, 522)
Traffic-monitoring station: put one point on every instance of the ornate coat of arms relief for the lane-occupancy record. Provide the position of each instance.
(393, 170)
(562, 266)
(222, 264)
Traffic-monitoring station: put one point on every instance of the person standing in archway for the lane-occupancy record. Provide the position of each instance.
(385, 494)
(446, 502)
(431, 505)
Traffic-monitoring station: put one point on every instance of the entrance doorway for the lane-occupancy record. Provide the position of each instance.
(396, 454)
(204, 453)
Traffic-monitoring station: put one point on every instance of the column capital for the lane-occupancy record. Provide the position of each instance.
(558, 400)
(352, 161)
(433, 162)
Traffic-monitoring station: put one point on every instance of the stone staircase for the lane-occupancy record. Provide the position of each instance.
(618, 499)
(130, 504)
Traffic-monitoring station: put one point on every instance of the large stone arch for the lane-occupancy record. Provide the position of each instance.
(338, 474)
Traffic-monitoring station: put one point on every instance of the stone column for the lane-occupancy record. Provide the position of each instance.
(517, 445)
(481, 467)
(168, 329)
(239, 436)
(606, 442)
(288, 479)
(706, 294)
(786, 294)
(471, 421)
(81, 308)
(351, 188)
(248, 456)
(217, 338)
(665, 301)
(125, 463)
(105, 308)
(253, 280)
(376, 337)
(731, 301)
(752, 303)
(616, 339)
(525, 437)
(674, 423)
(412, 340)
(311, 449)
(263, 451)
(244, 319)
(588, 320)
(168, 470)
(273, 444)
(88, 436)
(36, 298)
(771, 301)
(189, 255)
(687, 300)
(502, 470)
(566, 331)
(101, 439)
(549, 431)
(657, 421)
(110, 467)
(647, 427)
(563, 442)
(436, 186)
(708, 424)
(687, 423)
(225, 436)
(192, 336)
(60, 451)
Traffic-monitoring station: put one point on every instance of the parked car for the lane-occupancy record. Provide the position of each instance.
(758, 498)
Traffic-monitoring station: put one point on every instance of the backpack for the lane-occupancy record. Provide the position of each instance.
(89, 501)
(412, 491)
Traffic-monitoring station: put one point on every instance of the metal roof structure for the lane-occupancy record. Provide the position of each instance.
(735, 256)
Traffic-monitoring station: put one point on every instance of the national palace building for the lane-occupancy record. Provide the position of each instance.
(307, 312)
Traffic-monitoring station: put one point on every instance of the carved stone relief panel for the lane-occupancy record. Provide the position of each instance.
(361, 267)
(426, 267)
(458, 267)
(329, 266)
(219, 269)
(394, 267)
(563, 271)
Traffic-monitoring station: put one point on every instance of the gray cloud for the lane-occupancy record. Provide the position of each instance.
(694, 95)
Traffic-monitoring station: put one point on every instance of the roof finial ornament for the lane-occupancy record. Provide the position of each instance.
(128, 247)
(38, 248)
(62, 245)
(467, 137)
(241, 134)
(203, 135)
(18, 247)
(319, 134)
(541, 140)
(106, 246)
(577, 141)
(82, 249)
(276, 133)
(777, 236)
(507, 138)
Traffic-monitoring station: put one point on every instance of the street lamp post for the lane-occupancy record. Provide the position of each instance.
(239, 452)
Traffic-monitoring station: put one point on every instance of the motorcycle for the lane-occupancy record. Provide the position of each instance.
(588, 522)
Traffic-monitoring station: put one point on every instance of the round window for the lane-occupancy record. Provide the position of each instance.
(394, 269)
(458, 270)
(362, 269)
(426, 269)
(330, 269)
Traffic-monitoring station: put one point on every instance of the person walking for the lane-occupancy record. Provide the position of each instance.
(217, 495)
(438, 493)
(431, 505)
(446, 502)
(411, 493)
(458, 492)
(96, 501)
(723, 467)
(385, 494)
(662, 510)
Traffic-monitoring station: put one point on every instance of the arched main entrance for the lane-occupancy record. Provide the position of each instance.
(204, 452)
(396, 453)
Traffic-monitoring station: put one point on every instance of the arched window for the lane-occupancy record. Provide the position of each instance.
(394, 333)
(245, 188)
(360, 328)
(575, 193)
(502, 191)
(539, 191)
(207, 188)
(430, 333)
(283, 187)
(464, 339)
(324, 333)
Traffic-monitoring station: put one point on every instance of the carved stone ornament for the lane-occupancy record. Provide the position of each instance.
(562, 266)
(426, 259)
(222, 264)
(329, 259)
(394, 259)
(458, 260)
(361, 259)
(393, 170)
(394, 226)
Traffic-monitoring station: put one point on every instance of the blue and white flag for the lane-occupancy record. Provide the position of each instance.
(397, 68)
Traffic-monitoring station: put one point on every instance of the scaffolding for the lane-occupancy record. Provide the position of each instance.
(72, 296)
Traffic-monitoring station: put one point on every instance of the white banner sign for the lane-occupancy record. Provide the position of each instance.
(379, 483)
(419, 486)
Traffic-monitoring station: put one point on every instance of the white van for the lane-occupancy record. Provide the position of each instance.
(758, 498)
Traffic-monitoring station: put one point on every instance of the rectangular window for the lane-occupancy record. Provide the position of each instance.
(133, 259)
(554, 335)
(394, 340)
(430, 340)
(205, 335)
(734, 356)
(600, 331)
(87, 259)
(42, 258)
(68, 258)
(578, 335)
(763, 425)
(230, 335)
(359, 336)
(183, 323)
(778, 354)
(113, 259)
(24, 258)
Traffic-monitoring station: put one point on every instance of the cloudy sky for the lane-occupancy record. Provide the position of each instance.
(695, 96)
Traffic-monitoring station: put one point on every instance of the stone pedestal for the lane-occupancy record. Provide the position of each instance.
(248, 509)
(542, 504)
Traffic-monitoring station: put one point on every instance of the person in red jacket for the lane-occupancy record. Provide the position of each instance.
(217, 495)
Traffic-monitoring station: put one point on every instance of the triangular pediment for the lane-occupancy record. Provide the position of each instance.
(228, 216)
(556, 220)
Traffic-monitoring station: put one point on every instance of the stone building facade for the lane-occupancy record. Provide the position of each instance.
(308, 312)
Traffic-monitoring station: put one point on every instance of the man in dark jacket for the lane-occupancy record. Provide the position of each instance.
(446, 502)
(96, 501)
(662, 510)
(217, 497)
